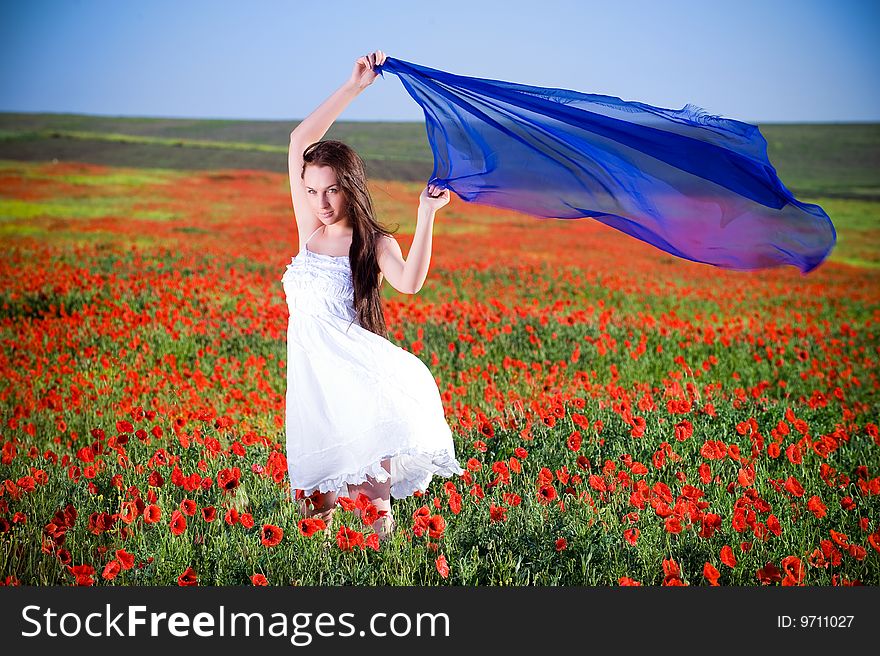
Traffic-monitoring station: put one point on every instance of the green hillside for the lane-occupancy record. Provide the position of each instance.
(839, 160)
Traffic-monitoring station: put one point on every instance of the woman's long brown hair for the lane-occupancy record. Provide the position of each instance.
(351, 176)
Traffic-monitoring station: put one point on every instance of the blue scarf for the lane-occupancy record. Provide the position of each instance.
(697, 186)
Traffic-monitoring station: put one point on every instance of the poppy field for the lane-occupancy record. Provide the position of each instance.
(623, 417)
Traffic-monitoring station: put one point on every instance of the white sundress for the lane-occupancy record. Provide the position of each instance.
(354, 398)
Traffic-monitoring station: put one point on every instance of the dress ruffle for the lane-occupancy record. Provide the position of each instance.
(441, 464)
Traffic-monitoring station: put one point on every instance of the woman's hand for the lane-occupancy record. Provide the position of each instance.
(433, 197)
(363, 74)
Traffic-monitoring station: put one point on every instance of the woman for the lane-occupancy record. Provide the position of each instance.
(363, 416)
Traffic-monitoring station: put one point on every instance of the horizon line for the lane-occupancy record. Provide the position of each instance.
(415, 122)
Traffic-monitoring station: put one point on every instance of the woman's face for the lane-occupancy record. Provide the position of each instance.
(325, 195)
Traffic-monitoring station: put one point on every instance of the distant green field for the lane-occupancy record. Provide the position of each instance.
(392, 151)
(840, 160)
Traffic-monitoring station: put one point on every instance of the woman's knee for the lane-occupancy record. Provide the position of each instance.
(323, 501)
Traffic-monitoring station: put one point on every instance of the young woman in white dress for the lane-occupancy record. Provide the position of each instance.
(344, 248)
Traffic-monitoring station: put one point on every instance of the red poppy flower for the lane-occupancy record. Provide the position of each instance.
(857, 551)
(346, 504)
(497, 513)
(815, 506)
(369, 514)
(129, 512)
(511, 499)
(709, 524)
(673, 525)
(436, 526)
(271, 535)
(545, 477)
(671, 569)
(793, 453)
(178, 522)
(126, 560)
(347, 539)
(713, 450)
(503, 472)
(662, 490)
(561, 544)
(360, 503)
(793, 486)
(474, 465)
(83, 574)
(455, 503)
(311, 525)
(746, 476)
(442, 566)
(231, 517)
(683, 430)
(631, 535)
(574, 441)
(259, 579)
(840, 538)
(794, 570)
(546, 494)
(817, 559)
(152, 514)
(188, 506)
(229, 479)
(247, 520)
(705, 474)
(189, 577)
(627, 581)
(209, 513)
(111, 569)
(597, 483)
(727, 556)
(768, 574)
(711, 574)
(658, 459)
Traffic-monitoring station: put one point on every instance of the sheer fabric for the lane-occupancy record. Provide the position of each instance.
(697, 186)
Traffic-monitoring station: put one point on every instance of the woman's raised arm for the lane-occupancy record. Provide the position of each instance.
(315, 125)
(313, 128)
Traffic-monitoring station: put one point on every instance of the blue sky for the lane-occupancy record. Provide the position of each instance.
(755, 61)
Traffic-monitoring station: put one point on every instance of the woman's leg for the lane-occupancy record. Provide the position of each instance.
(318, 504)
(380, 495)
